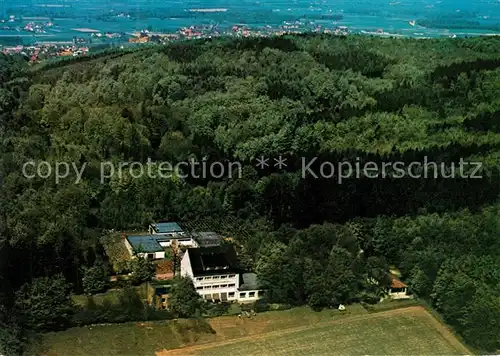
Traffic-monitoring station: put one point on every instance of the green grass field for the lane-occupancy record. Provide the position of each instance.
(409, 332)
(298, 331)
(121, 339)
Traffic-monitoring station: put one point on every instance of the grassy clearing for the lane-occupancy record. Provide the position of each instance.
(292, 332)
(404, 331)
(122, 339)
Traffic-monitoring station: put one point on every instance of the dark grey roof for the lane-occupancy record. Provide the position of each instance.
(207, 239)
(206, 261)
(151, 243)
(249, 281)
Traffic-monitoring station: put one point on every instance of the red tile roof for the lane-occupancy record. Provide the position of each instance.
(396, 283)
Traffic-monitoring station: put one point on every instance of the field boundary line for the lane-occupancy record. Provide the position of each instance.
(447, 333)
(375, 315)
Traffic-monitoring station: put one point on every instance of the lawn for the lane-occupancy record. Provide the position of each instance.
(408, 331)
(121, 339)
(298, 331)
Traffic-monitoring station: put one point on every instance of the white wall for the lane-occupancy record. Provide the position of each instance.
(190, 243)
(398, 295)
(210, 285)
(217, 280)
(209, 290)
(186, 270)
(237, 296)
(156, 255)
(245, 296)
(129, 247)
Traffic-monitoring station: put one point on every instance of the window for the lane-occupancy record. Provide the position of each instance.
(223, 277)
(207, 287)
(215, 277)
(198, 288)
(231, 276)
(231, 294)
(243, 295)
(251, 294)
(261, 293)
(216, 286)
(231, 285)
(199, 278)
(151, 256)
(163, 300)
(223, 285)
(208, 278)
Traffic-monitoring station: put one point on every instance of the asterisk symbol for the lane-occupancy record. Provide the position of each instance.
(280, 162)
(262, 162)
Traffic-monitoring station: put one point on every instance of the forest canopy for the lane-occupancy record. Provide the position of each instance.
(340, 99)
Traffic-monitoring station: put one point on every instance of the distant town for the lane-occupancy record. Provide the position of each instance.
(89, 40)
(42, 38)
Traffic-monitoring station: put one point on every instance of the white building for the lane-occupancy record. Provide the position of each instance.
(153, 246)
(144, 246)
(216, 276)
(398, 289)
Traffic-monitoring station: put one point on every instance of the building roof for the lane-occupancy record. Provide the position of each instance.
(207, 261)
(249, 281)
(207, 239)
(166, 227)
(145, 243)
(151, 243)
(396, 283)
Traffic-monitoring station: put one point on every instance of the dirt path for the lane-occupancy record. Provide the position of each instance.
(415, 310)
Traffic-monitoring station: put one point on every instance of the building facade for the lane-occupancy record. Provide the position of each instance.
(216, 276)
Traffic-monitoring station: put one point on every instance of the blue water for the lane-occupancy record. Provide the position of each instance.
(392, 16)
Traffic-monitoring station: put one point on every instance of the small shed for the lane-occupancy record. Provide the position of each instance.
(398, 289)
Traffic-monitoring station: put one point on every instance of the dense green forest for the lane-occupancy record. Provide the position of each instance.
(311, 240)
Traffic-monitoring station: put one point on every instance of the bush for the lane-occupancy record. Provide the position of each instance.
(217, 309)
(369, 298)
(261, 306)
(183, 300)
(129, 308)
(45, 304)
(142, 271)
(95, 280)
(121, 282)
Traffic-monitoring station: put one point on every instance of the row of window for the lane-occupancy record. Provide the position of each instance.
(215, 286)
(251, 294)
(209, 278)
(231, 295)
